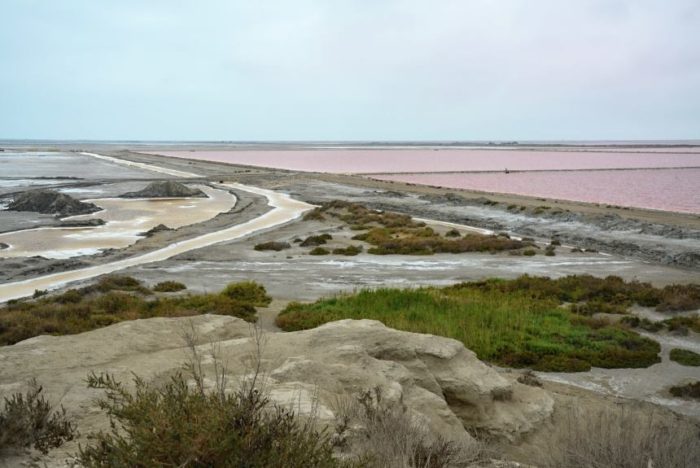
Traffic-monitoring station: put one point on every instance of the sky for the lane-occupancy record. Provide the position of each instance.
(350, 69)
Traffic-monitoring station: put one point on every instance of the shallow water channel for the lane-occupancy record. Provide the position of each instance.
(126, 222)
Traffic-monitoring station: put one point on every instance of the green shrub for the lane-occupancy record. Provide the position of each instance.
(117, 283)
(249, 292)
(39, 292)
(350, 250)
(685, 357)
(276, 246)
(169, 286)
(178, 425)
(690, 390)
(679, 297)
(314, 215)
(683, 323)
(316, 240)
(643, 323)
(29, 420)
(319, 251)
(453, 233)
(555, 242)
(529, 252)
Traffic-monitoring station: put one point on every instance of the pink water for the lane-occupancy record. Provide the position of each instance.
(427, 160)
(644, 187)
(661, 189)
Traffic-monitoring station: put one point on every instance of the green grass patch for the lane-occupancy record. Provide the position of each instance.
(513, 329)
(88, 308)
(685, 357)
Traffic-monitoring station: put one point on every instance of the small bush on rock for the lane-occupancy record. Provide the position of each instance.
(178, 425)
(29, 420)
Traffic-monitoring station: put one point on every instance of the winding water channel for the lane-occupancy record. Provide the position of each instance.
(285, 209)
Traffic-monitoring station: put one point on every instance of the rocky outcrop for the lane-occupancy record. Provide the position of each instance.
(51, 202)
(165, 189)
(440, 382)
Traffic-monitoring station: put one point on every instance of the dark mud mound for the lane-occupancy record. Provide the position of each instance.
(166, 189)
(51, 202)
(155, 230)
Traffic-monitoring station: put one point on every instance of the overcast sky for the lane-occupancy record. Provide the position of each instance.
(350, 69)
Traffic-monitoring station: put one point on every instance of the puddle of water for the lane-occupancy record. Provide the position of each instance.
(126, 221)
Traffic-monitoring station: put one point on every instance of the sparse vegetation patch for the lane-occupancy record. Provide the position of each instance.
(28, 420)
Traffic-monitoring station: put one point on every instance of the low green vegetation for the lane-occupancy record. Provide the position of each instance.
(350, 250)
(690, 390)
(517, 323)
(248, 292)
(319, 251)
(114, 299)
(169, 286)
(685, 357)
(28, 420)
(276, 246)
(316, 240)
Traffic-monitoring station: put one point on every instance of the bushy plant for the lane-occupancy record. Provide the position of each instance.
(29, 420)
(316, 240)
(689, 390)
(169, 286)
(622, 437)
(276, 246)
(180, 425)
(685, 357)
(249, 292)
(350, 250)
(319, 251)
(372, 431)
